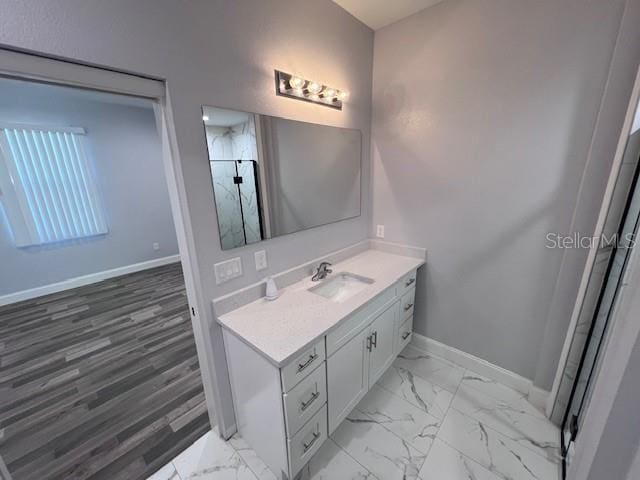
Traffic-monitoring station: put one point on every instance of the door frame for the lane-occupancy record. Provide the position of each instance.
(43, 69)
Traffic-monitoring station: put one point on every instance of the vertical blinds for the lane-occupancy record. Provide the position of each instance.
(48, 193)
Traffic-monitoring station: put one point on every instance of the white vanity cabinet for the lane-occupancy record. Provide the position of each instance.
(286, 411)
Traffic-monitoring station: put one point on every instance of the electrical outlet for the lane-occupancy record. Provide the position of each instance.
(156, 246)
(228, 270)
(261, 260)
(380, 231)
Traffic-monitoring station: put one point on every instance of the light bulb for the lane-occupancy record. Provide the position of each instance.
(205, 118)
(329, 93)
(314, 87)
(296, 82)
(314, 97)
(299, 92)
(342, 94)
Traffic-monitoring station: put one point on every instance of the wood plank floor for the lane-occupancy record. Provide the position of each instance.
(100, 382)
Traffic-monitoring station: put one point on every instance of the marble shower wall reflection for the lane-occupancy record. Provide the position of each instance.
(233, 155)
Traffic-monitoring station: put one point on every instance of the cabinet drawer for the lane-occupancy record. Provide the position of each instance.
(404, 334)
(302, 365)
(354, 324)
(305, 399)
(408, 281)
(307, 441)
(406, 303)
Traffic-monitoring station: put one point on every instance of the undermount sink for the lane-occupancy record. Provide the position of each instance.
(341, 286)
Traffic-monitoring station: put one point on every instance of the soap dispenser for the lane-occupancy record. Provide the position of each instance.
(272, 290)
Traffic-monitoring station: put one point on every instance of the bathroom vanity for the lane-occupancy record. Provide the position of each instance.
(299, 364)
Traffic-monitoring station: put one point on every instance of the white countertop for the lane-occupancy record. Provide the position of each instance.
(281, 328)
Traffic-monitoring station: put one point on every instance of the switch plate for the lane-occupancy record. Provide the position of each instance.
(380, 231)
(228, 270)
(261, 260)
(156, 246)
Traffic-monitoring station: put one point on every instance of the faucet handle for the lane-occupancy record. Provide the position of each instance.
(323, 267)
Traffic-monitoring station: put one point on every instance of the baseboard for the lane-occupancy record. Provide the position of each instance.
(85, 280)
(536, 396)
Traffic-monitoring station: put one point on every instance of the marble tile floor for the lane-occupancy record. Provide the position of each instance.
(426, 419)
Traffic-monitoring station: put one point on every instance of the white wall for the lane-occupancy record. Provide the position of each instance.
(217, 53)
(125, 153)
(484, 112)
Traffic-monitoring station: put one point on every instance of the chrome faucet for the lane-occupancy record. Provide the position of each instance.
(321, 272)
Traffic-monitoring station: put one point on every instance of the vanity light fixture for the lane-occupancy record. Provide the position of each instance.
(293, 86)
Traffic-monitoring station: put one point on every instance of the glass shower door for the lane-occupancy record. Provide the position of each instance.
(588, 345)
(235, 187)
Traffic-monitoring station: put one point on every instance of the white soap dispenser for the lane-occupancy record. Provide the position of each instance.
(272, 289)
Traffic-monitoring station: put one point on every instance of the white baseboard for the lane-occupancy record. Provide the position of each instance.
(85, 280)
(536, 396)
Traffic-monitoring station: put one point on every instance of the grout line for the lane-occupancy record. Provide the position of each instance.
(176, 470)
(352, 458)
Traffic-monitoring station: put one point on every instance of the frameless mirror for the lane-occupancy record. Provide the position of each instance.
(273, 176)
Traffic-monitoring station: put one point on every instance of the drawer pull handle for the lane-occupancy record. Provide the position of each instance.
(307, 446)
(305, 405)
(302, 366)
(409, 282)
(405, 335)
(374, 340)
(408, 306)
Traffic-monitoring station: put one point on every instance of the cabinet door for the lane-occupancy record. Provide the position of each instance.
(347, 378)
(382, 333)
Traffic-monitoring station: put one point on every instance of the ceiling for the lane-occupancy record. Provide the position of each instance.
(378, 13)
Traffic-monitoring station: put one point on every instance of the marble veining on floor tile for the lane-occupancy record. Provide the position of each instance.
(517, 419)
(490, 387)
(495, 451)
(384, 454)
(400, 417)
(211, 458)
(435, 370)
(251, 458)
(331, 463)
(446, 463)
(421, 393)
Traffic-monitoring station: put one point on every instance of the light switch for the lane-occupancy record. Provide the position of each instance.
(261, 260)
(228, 270)
(380, 231)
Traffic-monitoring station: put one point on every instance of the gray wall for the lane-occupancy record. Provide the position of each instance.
(484, 112)
(217, 53)
(125, 153)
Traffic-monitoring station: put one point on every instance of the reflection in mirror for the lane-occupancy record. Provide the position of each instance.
(273, 176)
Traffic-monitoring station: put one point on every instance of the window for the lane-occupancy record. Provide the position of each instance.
(46, 186)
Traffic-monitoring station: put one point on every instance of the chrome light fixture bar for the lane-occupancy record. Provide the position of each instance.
(293, 86)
